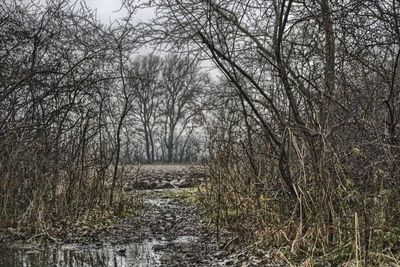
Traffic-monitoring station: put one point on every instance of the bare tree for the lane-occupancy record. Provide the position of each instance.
(182, 84)
(55, 137)
(314, 80)
(144, 81)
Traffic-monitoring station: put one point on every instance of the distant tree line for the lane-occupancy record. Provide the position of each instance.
(167, 109)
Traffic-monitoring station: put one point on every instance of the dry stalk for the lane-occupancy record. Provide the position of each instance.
(357, 241)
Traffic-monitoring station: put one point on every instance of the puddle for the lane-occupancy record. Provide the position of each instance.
(158, 202)
(186, 239)
(136, 254)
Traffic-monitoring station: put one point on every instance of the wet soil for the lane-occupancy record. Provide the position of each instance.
(164, 176)
(181, 236)
(167, 232)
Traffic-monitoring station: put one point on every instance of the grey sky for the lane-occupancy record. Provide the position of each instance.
(110, 10)
(106, 9)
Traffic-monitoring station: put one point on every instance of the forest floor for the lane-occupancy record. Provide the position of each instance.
(169, 230)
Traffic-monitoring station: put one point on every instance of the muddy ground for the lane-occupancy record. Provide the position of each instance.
(168, 231)
(141, 177)
(181, 236)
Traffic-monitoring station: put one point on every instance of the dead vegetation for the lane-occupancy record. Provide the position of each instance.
(351, 221)
(304, 130)
(59, 134)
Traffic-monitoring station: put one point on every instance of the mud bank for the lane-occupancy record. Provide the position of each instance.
(167, 231)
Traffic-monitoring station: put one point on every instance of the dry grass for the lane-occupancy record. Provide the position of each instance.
(343, 224)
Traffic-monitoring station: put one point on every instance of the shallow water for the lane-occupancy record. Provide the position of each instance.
(186, 239)
(136, 254)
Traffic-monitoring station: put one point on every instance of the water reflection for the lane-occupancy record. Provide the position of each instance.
(137, 254)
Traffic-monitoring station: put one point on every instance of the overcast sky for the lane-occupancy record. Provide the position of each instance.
(106, 9)
(110, 10)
